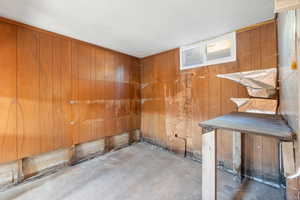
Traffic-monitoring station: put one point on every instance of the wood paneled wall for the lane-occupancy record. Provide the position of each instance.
(106, 92)
(174, 101)
(8, 90)
(56, 91)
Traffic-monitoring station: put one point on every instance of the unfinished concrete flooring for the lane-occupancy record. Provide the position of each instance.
(141, 171)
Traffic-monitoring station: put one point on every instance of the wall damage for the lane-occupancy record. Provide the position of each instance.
(47, 163)
(174, 101)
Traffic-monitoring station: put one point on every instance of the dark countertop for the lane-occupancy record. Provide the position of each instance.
(252, 123)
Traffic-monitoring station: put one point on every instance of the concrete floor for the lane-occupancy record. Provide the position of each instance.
(141, 171)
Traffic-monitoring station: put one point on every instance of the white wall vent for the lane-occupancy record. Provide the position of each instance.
(209, 52)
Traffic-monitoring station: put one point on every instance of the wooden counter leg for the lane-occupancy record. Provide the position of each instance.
(237, 155)
(209, 165)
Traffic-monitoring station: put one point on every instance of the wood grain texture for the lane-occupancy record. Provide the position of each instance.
(55, 91)
(43, 117)
(110, 122)
(227, 106)
(58, 91)
(269, 51)
(62, 91)
(99, 105)
(29, 135)
(200, 111)
(106, 89)
(214, 99)
(256, 49)
(46, 107)
(84, 65)
(8, 91)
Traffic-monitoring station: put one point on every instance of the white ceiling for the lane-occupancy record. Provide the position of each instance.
(139, 27)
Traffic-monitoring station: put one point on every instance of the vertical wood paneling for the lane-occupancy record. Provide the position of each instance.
(57, 92)
(8, 92)
(251, 59)
(106, 90)
(75, 96)
(269, 48)
(93, 94)
(227, 106)
(84, 65)
(147, 92)
(256, 49)
(58, 122)
(29, 135)
(47, 80)
(99, 92)
(137, 100)
(269, 60)
(118, 77)
(62, 93)
(109, 87)
(44, 92)
(214, 97)
(256, 148)
(243, 57)
(200, 97)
